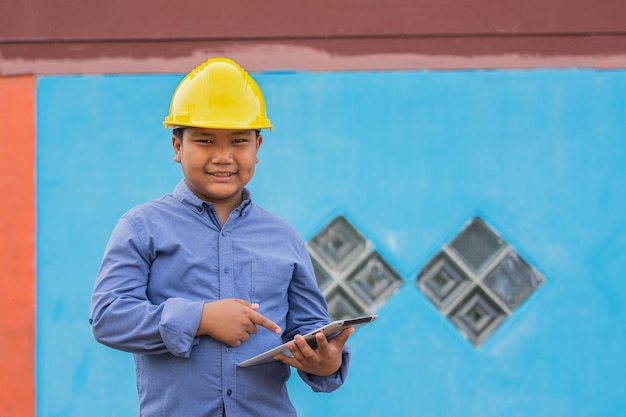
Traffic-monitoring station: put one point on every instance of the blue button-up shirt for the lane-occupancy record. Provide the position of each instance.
(168, 257)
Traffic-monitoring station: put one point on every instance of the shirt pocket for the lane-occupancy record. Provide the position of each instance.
(270, 281)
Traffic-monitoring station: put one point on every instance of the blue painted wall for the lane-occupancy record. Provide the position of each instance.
(408, 157)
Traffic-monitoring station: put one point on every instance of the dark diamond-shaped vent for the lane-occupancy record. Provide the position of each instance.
(477, 315)
(353, 277)
(477, 244)
(442, 281)
(513, 280)
(477, 280)
(338, 244)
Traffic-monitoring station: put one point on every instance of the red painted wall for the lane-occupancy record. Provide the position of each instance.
(17, 247)
(161, 36)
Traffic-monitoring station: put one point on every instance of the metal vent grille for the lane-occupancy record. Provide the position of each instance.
(477, 280)
(351, 274)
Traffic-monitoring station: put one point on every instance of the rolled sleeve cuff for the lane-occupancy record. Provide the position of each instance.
(179, 322)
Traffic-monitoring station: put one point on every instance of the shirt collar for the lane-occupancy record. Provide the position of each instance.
(183, 193)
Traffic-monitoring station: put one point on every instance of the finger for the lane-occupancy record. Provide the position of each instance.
(296, 354)
(303, 346)
(263, 321)
(342, 337)
(322, 343)
(288, 360)
(246, 303)
(252, 328)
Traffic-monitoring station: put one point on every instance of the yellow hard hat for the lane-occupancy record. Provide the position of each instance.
(218, 94)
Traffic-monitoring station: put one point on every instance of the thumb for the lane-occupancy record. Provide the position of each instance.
(342, 337)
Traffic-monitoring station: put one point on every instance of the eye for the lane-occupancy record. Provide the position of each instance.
(240, 140)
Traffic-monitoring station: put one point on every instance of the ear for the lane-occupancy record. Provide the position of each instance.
(259, 141)
(177, 144)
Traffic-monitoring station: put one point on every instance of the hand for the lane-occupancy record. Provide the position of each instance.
(232, 321)
(324, 360)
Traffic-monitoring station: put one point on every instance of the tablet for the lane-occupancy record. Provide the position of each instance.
(330, 330)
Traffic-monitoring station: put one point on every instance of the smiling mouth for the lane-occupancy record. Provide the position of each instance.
(222, 174)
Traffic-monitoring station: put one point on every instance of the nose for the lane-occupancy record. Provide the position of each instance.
(222, 154)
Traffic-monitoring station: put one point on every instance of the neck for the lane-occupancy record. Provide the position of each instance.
(224, 208)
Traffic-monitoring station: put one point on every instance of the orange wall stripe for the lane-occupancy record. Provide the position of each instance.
(17, 247)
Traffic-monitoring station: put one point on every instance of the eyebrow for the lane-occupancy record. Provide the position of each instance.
(234, 133)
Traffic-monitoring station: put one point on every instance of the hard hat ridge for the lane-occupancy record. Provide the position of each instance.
(218, 94)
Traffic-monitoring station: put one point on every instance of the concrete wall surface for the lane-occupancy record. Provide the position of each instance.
(408, 157)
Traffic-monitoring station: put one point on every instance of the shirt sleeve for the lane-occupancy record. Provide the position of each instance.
(306, 303)
(123, 317)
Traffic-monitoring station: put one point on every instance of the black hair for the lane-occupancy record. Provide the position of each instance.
(178, 132)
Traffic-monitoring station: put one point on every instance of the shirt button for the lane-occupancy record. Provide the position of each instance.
(226, 270)
(224, 234)
(228, 350)
(229, 392)
(200, 209)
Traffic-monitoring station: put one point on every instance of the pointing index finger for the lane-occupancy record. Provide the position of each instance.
(263, 321)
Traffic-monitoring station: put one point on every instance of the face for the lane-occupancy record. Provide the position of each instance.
(217, 163)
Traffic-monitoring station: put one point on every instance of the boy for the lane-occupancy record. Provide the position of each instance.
(203, 278)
